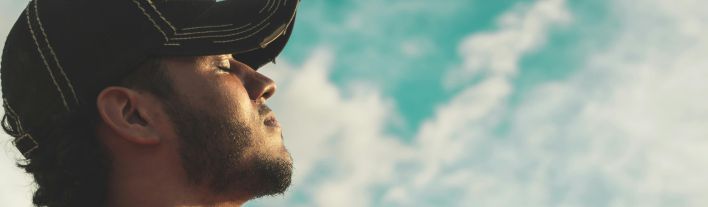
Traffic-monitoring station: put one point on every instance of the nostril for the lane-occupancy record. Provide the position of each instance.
(269, 91)
(267, 94)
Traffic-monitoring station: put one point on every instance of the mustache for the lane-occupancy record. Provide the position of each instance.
(264, 110)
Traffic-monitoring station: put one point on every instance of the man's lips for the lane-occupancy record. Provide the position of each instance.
(271, 121)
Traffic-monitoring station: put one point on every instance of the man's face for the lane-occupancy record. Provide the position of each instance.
(230, 140)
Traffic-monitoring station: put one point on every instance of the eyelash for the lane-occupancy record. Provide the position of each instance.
(224, 67)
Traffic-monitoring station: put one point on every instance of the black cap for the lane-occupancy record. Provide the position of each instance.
(61, 53)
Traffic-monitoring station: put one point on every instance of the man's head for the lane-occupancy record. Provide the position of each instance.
(97, 92)
(213, 109)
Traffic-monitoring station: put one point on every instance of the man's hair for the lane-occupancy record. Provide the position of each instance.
(71, 166)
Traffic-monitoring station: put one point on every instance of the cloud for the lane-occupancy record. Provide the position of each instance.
(628, 129)
(460, 160)
(634, 119)
(338, 140)
(498, 52)
(437, 169)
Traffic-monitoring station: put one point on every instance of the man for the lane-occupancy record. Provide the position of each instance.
(147, 102)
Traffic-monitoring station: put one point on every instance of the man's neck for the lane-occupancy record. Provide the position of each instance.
(156, 178)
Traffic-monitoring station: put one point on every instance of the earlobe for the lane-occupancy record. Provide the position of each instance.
(123, 110)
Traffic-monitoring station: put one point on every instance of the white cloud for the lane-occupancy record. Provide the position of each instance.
(498, 52)
(629, 129)
(457, 151)
(445, 147)
(638, 108)
(337, 140)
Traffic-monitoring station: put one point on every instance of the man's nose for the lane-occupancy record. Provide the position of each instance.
(259, 86)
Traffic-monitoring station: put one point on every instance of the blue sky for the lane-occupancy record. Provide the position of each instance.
(486, 103)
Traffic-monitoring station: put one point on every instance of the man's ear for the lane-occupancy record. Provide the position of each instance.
(127, 113)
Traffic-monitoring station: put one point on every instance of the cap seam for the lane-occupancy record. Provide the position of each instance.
(266, 5)
(44, 60)
(54, 55)
(202, 27)
(154, 24)
(215, 31)
(271, 6)
(234, 34)
(241, 38)
(174, 30)
(187, 36)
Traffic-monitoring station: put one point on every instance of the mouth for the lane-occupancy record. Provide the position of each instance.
(271, 121)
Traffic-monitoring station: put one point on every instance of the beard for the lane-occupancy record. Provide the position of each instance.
(213, 154)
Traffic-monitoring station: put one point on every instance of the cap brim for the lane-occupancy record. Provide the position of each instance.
(255, 31)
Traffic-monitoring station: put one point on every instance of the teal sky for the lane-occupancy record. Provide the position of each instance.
(371, 38)
(486, 103)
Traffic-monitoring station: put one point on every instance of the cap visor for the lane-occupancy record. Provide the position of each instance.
(255, 30)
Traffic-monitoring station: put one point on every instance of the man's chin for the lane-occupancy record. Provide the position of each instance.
(273, 174)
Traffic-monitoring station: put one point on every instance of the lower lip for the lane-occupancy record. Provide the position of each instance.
(271, 122)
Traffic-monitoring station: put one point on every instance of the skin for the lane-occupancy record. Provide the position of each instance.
(144, 144)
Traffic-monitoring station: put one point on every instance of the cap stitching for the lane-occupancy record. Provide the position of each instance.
(24, 136)
(54, 55)
(236, 31)
(174, 30)
(262, 44)
(202, 27)
(22, 133)
(154, 24)
(271, 6)
(266, 5)
(18, 123)
(233, 34)
(162, 17)
(41, 54)
(215, 36)
(215, 31)
(250, 35)
(152, 20)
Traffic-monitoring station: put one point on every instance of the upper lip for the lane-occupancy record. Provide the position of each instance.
(264, 110)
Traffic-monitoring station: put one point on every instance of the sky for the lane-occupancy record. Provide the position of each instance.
(472, 103)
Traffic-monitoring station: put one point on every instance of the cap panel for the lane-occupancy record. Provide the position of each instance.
(31, 99)
(49, 57)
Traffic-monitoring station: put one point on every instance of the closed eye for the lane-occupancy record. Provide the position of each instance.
(224, 65)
